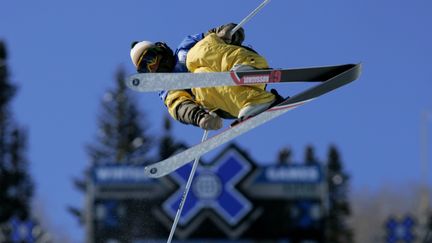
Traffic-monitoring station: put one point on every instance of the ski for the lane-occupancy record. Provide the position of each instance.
(171, 164)
(147, 82)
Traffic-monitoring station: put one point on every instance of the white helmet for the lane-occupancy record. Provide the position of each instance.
(152, 57)
(138, 48)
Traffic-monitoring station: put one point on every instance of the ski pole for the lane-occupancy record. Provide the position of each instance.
(186, 191)
(249, 16)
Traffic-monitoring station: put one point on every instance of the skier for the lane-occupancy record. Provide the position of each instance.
(213, 51)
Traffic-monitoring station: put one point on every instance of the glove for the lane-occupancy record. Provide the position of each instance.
(210, 122)
(224, 32)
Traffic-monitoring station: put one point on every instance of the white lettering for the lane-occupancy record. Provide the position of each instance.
(255, 79)
(301, 174)
(120, 174)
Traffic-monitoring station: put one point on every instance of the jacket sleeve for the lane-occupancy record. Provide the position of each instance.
(180, 103)
(183, 108)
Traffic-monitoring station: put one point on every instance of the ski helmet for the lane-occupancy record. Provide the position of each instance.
(152, 57)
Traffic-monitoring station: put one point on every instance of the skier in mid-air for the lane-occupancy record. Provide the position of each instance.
(213, 51)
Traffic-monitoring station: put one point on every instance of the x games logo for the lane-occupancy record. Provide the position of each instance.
(215, 188)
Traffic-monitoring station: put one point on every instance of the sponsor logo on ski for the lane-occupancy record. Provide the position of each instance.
(272, 77)
(255, 79)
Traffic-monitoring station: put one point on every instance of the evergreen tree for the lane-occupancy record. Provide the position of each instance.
(168, 146)
(310, 158)
(285, 156)
(122, 134)
(15, 183)
(337, 228)
(428, 235)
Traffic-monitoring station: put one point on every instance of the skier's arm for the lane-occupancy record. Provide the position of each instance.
(183, 108)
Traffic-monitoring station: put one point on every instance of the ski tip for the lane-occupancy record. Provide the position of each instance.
(135, 82)
(152, 172)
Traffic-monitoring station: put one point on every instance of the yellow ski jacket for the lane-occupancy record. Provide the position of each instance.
(212, 54)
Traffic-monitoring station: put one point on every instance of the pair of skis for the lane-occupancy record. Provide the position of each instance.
(329, 78)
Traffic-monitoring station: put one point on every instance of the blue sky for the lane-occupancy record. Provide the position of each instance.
(63, 56)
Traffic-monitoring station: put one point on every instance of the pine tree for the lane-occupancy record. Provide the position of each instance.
(337, 228)
(122, 134)
(15, 183)
(428, 236)
(310, 158)
(285, 156)
(168, 146)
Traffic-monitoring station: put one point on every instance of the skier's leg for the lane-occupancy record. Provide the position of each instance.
(239, 101)
(252, 110)
(255, 108)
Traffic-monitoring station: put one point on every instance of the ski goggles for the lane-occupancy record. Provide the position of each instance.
(149, 61)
